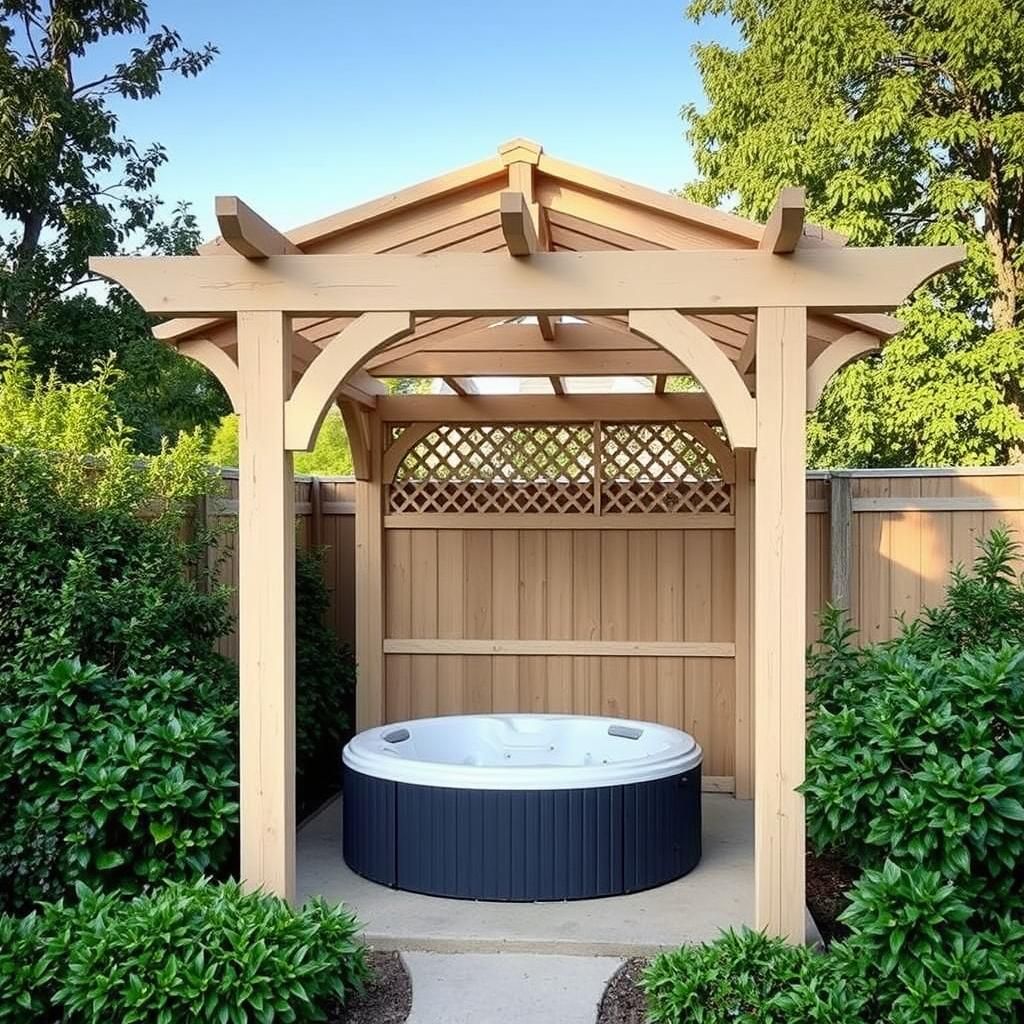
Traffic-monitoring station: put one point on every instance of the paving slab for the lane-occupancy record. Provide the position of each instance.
(718, 893)
(471, 988)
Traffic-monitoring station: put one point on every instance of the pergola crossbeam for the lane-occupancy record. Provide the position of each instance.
(481, 284)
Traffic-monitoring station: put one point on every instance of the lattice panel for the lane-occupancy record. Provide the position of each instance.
(659, 467)
(634, 496)
(506, 453)
(481, 496)
(550, 468)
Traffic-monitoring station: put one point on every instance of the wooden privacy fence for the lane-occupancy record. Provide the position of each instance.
(326, 519)
(622, 615)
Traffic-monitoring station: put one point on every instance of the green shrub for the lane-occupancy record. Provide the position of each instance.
(331, 455)
(922, 761)
(984, 607)
(747, 978)
(915, 774)
(116, 781)
(915, 748)
(917, 941)
(82, 573)
(26, 973)
(199, 952)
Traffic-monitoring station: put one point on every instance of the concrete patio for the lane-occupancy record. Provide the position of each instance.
(718, 894)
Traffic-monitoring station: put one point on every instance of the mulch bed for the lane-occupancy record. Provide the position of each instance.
(387, 999)
(623, 1001)
(828, 881)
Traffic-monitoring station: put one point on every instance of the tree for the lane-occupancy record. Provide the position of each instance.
(905, 123)
(331, 455)
(72, 185)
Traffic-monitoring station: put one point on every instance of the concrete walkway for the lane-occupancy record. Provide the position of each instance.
(718, 894)
(499, 988)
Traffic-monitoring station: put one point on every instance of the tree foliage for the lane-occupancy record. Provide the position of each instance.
(331, 455)
(73, 185)
(905, 123)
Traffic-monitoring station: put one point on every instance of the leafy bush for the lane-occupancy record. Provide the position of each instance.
(917, 942)
(25, 973)
(922, 761)
(115, 781)
(82, 573)
(747, 978)
(198, 952)
(915, 774)
(983, 607)
(331, 455)
(915, 749)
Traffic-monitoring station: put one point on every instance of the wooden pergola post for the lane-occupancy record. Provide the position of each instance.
(266, 606)
(779, 623)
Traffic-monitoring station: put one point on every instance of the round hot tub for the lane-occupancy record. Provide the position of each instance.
(522, 807)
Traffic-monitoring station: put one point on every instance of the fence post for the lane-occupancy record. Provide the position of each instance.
(840, 538)
(316, 524)
(200, 528)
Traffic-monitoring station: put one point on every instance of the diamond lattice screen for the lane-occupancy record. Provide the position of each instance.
(498, 468)
(658, 467)
(650, 467)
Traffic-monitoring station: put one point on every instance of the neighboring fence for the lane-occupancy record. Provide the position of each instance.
(895, 535)
(881, 542)
(326, 519)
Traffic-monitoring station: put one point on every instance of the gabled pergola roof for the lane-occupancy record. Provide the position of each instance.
(572, 209)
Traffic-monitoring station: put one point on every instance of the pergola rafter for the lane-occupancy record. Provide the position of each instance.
(292, 322)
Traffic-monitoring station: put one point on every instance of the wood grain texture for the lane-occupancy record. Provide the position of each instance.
(779, 628)
(266, 539)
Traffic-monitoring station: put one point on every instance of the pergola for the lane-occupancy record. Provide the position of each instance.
(524, 265)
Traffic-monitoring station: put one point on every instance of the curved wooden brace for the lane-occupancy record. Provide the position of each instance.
(708, 364)
(400, 447)
(358, 431)
(343, 355)
(719, 450)
(846, 349)
(219, 363)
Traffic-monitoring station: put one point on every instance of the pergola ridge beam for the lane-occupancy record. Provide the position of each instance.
(785, 226)
(248, 233)
(474, 284)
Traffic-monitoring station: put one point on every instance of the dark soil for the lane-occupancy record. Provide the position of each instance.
(828, 880)
(387, 999)
(623, 1001)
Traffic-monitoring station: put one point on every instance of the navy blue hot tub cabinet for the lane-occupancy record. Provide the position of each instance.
(522, 807)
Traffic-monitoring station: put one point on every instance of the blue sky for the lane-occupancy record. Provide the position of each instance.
(314, 105)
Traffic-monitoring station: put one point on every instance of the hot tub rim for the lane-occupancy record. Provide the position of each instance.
(443, 775)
